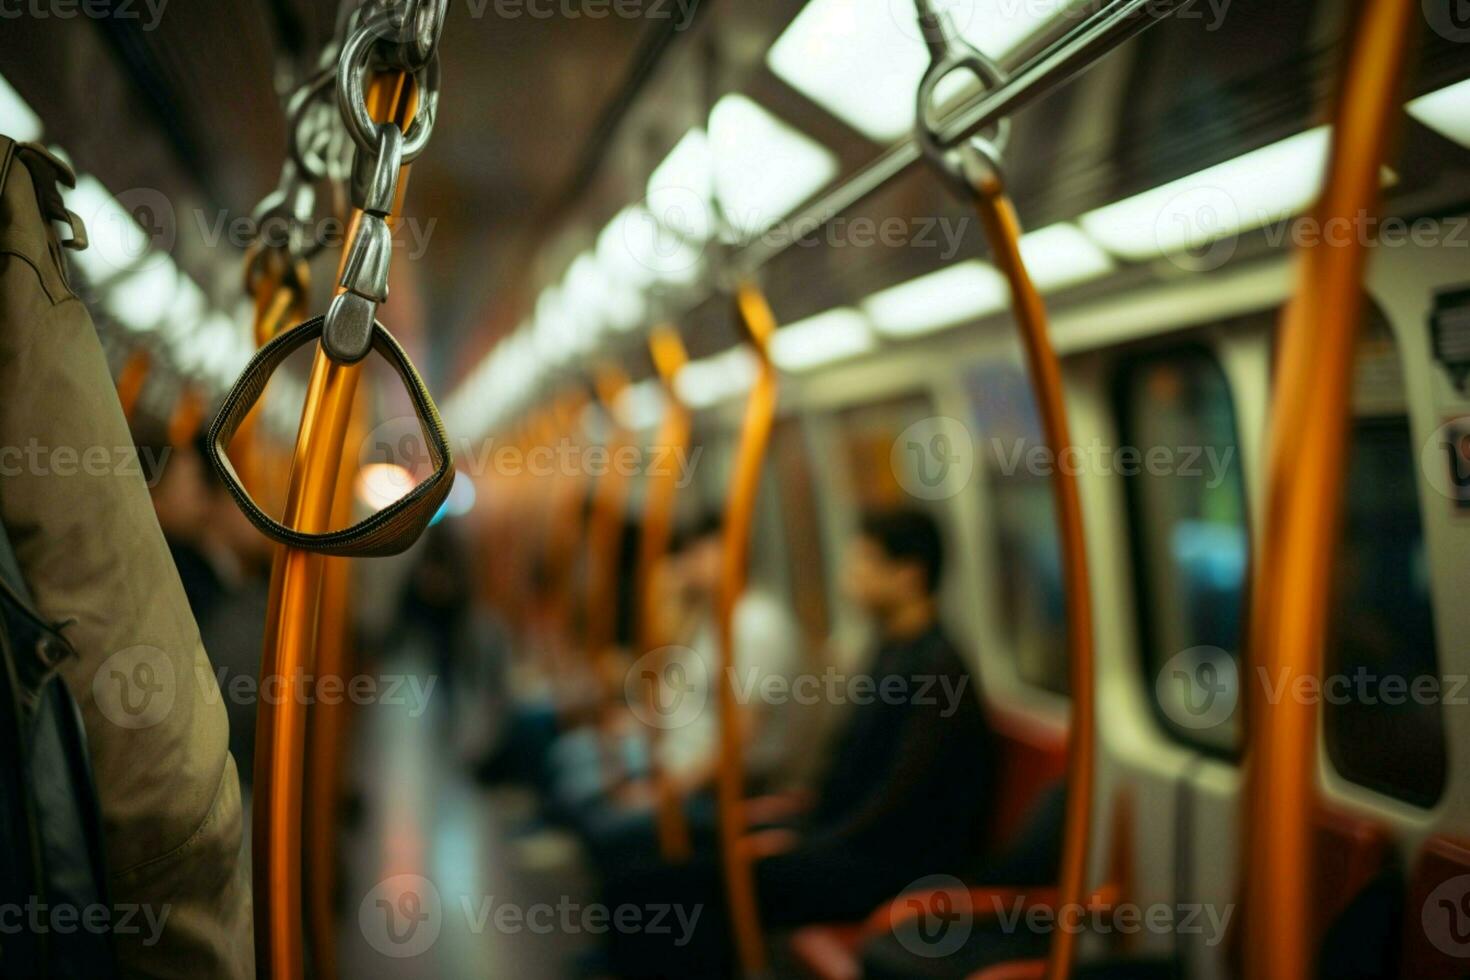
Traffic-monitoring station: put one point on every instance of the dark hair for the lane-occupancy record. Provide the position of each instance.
(707, 523)
(907, 535)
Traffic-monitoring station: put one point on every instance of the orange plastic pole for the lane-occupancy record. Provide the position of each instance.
(604, 531)
(130, 381)
(759, 324)
(1003, 230)
(671, 442)
(1309, 426)
(291, 623)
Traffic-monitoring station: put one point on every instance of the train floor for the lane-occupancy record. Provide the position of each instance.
(443, 877)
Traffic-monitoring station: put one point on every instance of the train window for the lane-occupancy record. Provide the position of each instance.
(1022, 516)
(1186, 495)
(1382, 715)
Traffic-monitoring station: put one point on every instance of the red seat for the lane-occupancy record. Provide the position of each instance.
(1031, 757)
(1434, 918)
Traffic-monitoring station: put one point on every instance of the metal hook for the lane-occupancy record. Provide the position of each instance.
(963, 163)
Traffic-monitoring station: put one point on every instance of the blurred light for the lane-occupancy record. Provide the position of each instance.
(17, 119)
(461, 499)
(1061, 256)
(381, 484)
(1446, 111)
(711, 380)
(636, 250)
(641, 406)
(1253, 190)
(115, 240)
(680, 189)
(144, 299)
(941, 299)
(862, 60)
(764, 168)
(827, 337)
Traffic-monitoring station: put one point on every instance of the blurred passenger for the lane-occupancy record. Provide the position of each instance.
(620, 823)
(902, 796)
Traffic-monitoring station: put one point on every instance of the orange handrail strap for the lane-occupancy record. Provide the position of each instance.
(973, 169)
(759, 324)
(1309, 422)
(671, 443)
(290, 634)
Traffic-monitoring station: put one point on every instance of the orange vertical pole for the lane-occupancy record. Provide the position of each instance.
(130, 381)
(759, 325)
(1003, 230)
(1308, 440)
(672, 441)
(291, 623)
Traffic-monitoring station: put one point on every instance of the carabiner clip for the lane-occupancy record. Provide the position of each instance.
(964, 164)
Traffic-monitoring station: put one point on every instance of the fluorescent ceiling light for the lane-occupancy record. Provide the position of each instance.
(827, 337)
(641, 406)
(1253, 190)
(941, 299)
(116, 242)
(681, 188)
(764, 168)
(862, 60)
(1446, 111)
(711, 380)
(156, 296)
(17, 119)
(1061, 256)
(639, 252)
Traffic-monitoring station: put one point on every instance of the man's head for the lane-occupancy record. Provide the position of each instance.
(896, 560)
(697, 552)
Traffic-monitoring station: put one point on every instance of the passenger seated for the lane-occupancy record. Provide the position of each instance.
(899, 801)
(620, 823)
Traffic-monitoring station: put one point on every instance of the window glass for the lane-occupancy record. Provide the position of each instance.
(1383, 720)
(1022, 519)
(1186, 493)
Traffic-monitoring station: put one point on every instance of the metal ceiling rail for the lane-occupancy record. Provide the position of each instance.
(1102, 32)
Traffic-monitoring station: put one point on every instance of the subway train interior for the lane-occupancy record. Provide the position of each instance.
(823, 489)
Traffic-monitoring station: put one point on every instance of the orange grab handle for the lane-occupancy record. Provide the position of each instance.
(755, 316)
(672, 441)
(1304, 481)
(290, 634)
(1003, 230)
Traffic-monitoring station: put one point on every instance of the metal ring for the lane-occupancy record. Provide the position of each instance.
(312, 164)
(958, 56)
(425, 19)
(356, 58)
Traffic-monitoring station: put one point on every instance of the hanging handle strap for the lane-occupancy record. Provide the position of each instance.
(973, 168)
(388, 532)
